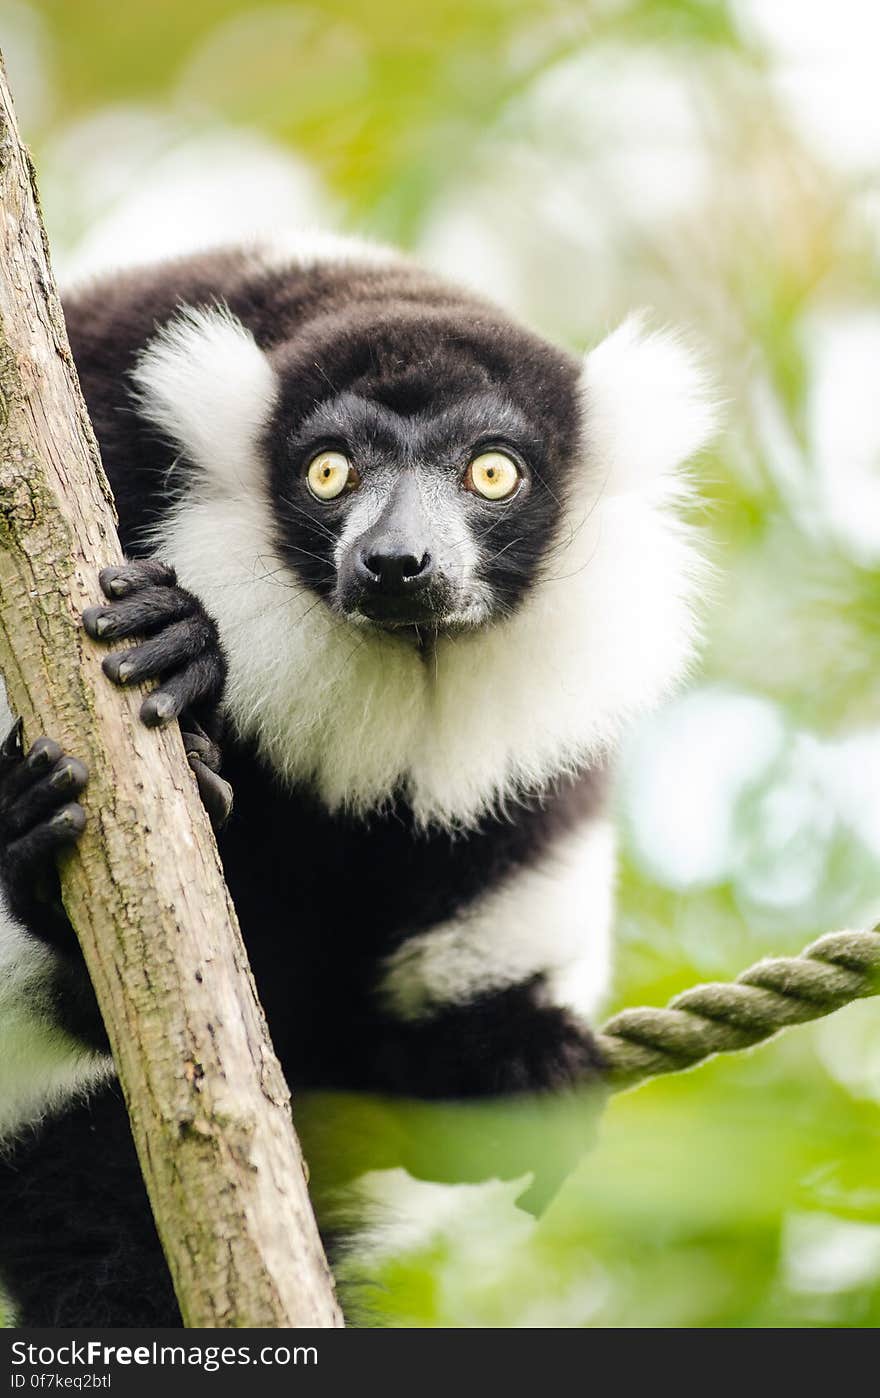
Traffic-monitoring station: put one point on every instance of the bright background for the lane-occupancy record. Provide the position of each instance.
(720, 163)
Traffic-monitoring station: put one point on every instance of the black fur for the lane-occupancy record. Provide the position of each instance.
(79, 1245)
(39, 816)
(353, 892)
(405, 367)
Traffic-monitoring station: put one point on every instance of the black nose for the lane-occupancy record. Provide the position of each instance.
(394, 570)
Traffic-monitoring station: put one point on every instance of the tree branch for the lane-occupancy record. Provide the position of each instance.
(208, 1104)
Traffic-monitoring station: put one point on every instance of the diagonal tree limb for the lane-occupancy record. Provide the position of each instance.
(209, 1108)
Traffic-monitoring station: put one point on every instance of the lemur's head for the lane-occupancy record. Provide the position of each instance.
(396, 461)
(420, 463)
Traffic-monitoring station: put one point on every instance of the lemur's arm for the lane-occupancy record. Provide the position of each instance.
(505, 1041)
(497, 997)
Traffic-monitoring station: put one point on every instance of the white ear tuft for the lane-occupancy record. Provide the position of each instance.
(204, 381)
(648, 406)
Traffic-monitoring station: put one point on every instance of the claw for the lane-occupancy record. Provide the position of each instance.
(70, 818)
(96, 622)
(69, 773)
(113, 583)
(43, 755)
(117, 668)
(158, 708)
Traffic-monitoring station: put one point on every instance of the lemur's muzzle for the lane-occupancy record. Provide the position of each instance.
(391, 575)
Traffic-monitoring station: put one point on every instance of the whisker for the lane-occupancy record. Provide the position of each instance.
(359, 644)
(563, 577)
(508, 545)
(297, 548)
(315, 523)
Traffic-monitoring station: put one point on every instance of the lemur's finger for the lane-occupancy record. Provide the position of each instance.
(196, 743)
(142, 614)
(174, 647)
(43, 840)
(41, 758)
(48, 794)
(126, 578)
(199, 682)
(216, 793)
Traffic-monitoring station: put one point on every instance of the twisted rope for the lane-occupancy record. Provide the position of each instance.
(724, 1016)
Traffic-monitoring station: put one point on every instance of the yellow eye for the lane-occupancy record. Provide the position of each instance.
(329, 474)
(492, 475)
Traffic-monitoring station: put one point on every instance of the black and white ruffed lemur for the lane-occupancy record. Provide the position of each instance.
(418, 568)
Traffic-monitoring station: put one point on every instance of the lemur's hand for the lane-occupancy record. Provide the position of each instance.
(39, 815)
(181, 651)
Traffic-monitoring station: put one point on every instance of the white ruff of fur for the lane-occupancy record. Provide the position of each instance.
(204, 383)
(604, 635)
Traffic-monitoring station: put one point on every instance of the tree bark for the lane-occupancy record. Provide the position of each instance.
(210, 1111)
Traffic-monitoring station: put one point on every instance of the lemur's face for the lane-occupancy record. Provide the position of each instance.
(424, 486)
